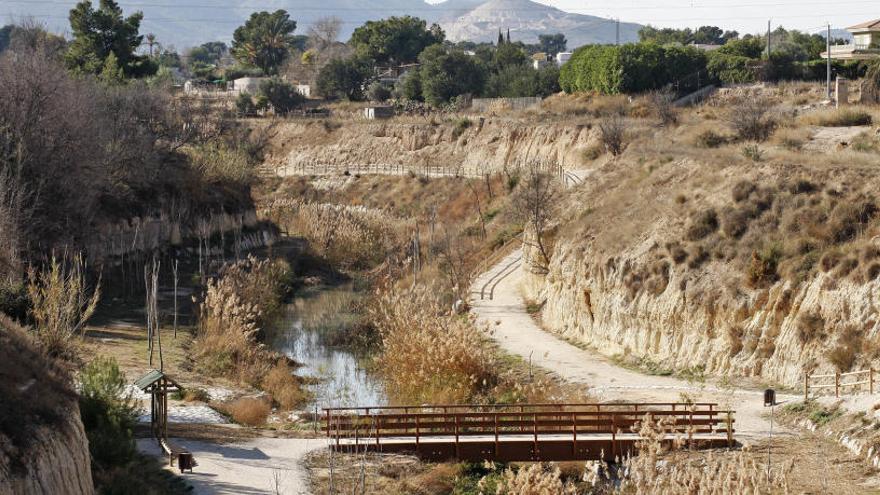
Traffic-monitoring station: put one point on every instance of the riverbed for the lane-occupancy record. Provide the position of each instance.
(308, 333)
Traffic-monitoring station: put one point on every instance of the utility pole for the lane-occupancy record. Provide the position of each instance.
(828, 52)
(768, 38)
(617, 31)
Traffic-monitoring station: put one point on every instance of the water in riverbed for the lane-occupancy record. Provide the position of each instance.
(306, 334)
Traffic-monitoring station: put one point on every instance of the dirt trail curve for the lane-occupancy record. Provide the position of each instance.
(517, 333)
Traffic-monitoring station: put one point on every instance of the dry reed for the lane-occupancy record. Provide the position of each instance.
(62, 304)
(428, 355)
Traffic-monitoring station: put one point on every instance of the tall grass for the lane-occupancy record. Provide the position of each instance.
(62, 303)
(348, 237)
(236, 305)
(428, 355)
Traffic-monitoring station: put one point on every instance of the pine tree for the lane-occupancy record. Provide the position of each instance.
(500, 37)
(508, 35)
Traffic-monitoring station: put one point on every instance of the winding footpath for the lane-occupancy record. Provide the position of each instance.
(517, 333)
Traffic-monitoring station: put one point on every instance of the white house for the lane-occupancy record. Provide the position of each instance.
(249, 85)
(865, 45)
(562, 58)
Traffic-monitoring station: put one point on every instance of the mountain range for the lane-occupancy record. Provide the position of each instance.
(185, 23)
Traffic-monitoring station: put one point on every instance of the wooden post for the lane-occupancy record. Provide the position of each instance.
(535, 431)
(417, 430)
(457, 447)
(613, 435)
(495, 415)
(871, 381)
(328, 423)
(729, 430)
(376, 420)
(574, 433)
(806, 386)
(837, 384)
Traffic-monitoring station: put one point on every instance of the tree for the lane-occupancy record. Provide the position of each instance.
(447, 74)
(551, 44)
(30, 35)
(343, 78)
(395, 40)
(533, 203)
(5, 35)
(98, 33)
(209, 53)
(508, 55)
(281, 95)
(265, 40)
(324, 32)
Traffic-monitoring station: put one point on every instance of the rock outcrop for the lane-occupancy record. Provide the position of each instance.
(43, 446)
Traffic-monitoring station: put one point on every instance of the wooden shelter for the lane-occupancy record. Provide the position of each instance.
(158, 385)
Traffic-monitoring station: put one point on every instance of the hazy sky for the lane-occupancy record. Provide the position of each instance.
(743, 15)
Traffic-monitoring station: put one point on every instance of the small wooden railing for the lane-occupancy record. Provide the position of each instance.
(577, 422)
(840, 382)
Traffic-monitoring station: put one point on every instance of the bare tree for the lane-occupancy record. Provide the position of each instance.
(533, 203)
(662, 102)
(324, 32)
(151, 284)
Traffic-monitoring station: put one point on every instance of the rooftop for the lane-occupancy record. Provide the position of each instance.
(875, 24)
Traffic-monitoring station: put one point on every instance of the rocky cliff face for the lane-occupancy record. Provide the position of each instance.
(57, 462)
(793, 287)
(489, 146)
(43, 447)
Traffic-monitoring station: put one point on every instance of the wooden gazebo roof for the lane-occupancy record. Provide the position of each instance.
(153, 377)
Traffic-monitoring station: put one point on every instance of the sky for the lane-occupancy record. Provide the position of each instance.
(745, 16)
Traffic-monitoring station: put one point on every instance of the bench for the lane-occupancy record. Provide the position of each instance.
(184, 457)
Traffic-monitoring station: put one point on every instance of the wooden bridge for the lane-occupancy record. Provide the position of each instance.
(528, 432)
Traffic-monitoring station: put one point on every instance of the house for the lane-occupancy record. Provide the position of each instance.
(540, 60)
(390, 75)
(562, 58)
(865, 45)
(250, 85)
(378, 112)
(304, 89)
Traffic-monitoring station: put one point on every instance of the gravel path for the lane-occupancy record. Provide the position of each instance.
(246, 468)
(517, 333)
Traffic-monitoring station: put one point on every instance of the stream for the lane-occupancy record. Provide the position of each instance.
(306, 333)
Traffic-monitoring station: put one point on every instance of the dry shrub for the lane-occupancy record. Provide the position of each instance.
(842, 117)
(658, 469)
(843, 355)
(61, 304)
(283, 386)
(662, 104)
(537, 479)
(263, 283)
(703, 223)
(752, 120)
(711, 139)
(849, 219)
(792, 139)
(612, 133)
(742, 190)
(220, 163)
(249, 411)
(348, 237)
(428, 355)
(811, 326)
(762, 270)
(734, 222)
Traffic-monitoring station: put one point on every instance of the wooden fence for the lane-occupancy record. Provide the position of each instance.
(840, 381)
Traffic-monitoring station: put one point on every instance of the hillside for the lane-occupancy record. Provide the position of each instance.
(526, 20)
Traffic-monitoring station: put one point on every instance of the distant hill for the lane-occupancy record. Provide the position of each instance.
(186, 23)
(526, 20)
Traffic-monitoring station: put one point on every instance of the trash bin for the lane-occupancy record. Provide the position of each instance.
(769, 397)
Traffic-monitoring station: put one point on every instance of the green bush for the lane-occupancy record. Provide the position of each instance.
(14, 301)
(282, 95)
(631, 68)
(108, 413)
(244, 105)
(732, 69)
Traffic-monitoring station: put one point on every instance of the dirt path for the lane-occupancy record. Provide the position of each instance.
(250, 467)
(517, 333)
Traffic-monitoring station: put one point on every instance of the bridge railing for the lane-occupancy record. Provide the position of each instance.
(371, 424)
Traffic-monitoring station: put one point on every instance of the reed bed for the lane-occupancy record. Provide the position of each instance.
(429, 355)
